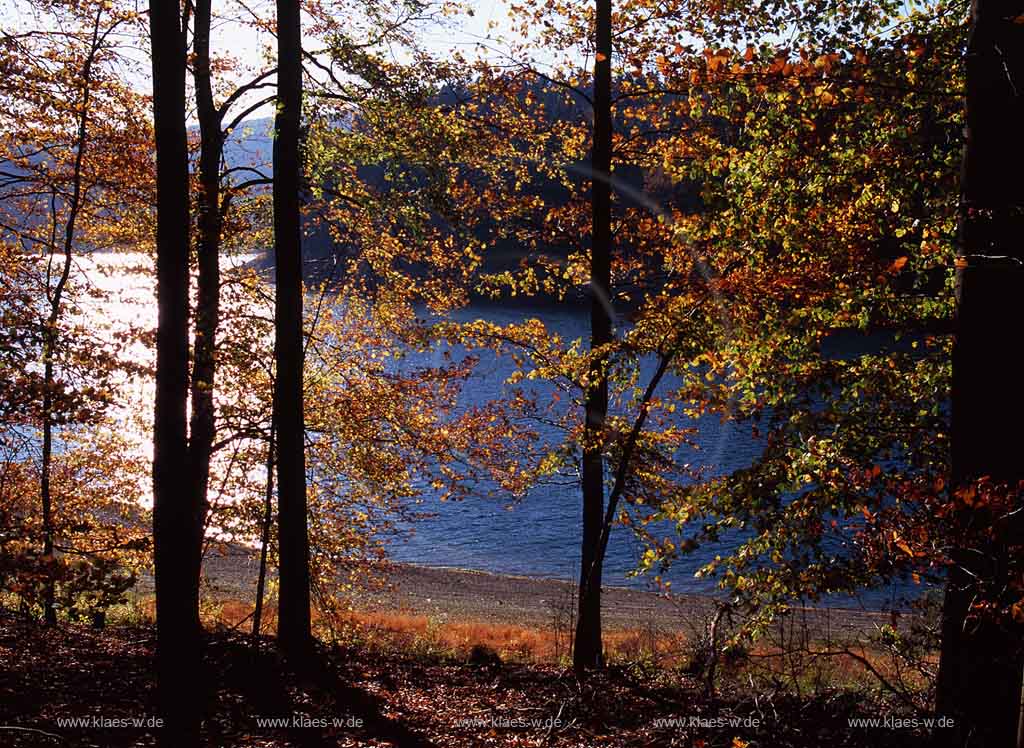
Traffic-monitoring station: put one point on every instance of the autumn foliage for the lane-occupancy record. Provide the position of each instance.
(783, 236)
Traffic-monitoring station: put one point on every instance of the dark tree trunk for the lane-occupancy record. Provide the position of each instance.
(293, 623)
(49, 351)
(46, 498)
(268, 514)
(979, 681)
(202, 425)
(587, 652)
(175, 514)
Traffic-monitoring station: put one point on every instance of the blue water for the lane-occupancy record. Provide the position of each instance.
(539, 534)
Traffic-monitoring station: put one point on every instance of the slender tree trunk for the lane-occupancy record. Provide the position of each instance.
(46, 470)
(175, 514)
(268, 513)
(202, 425)
(293, 623)
(588, 652)
(979, 681)
(56, 298)
(49, 592)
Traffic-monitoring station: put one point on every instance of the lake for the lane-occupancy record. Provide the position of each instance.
(539, 534)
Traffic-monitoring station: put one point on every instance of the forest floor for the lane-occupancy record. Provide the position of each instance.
(76, 686)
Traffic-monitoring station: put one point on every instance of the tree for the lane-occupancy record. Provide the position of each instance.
(846, 385)
(979, 679)
(293, 630)
(587, 649)
(534, 119)
(536, 128)
(202, 422)
(55, 298)
(69, 122)
(176, 514)
(216, 219)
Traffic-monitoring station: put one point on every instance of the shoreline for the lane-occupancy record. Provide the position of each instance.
(449, 594)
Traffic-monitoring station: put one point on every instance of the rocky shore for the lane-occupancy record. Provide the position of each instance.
(450, 594)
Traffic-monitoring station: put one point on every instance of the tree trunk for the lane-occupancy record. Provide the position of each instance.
(175, 514)
(587, 652)
(293, 623)
(46, 498)
(202, 425)
(979, 681)
(268, 511)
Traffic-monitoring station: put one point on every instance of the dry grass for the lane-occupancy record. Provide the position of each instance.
(415, 633)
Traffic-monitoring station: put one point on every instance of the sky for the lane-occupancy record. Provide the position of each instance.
(250, 45)
(465, 34)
